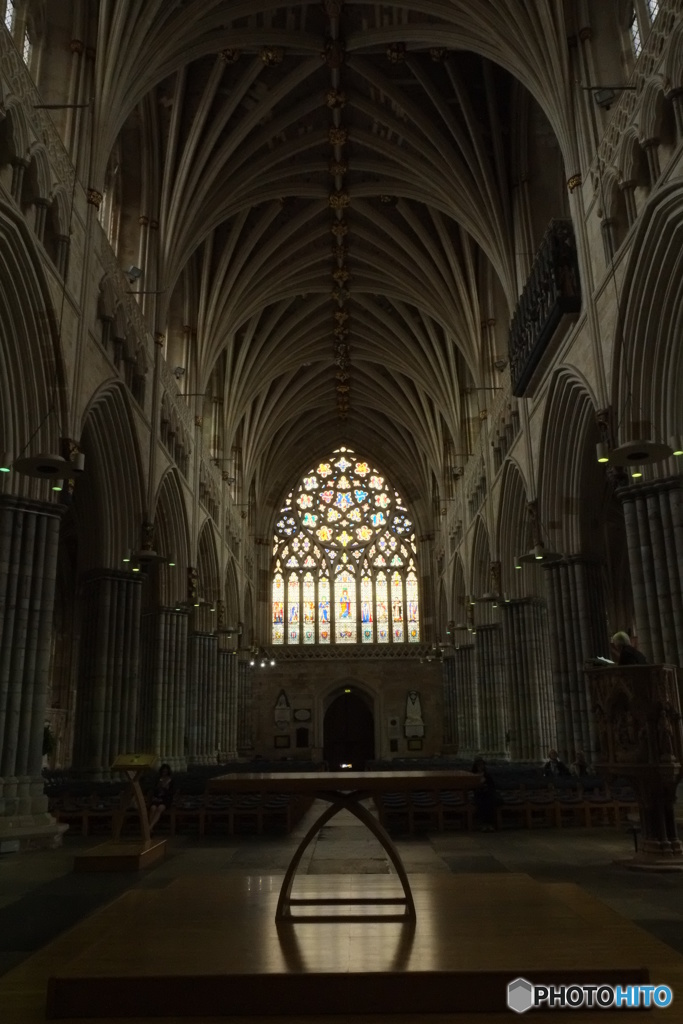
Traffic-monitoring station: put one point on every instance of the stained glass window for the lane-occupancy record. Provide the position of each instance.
(344, 550)
(293, 609)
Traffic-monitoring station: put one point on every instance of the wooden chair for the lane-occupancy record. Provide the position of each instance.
(277, 809)
(190, 810)
(512, 809)
(600, 809)
(248, 807)
(456, 809)
(540, 808)
(570, 807)
(217, 811)
(394, 809)
(425, 808)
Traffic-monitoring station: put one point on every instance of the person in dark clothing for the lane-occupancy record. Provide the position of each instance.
(485, 797)
(162, 795)
(554, 766)
(624, 651)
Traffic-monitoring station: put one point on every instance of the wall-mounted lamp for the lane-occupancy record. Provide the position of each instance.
(605, 95)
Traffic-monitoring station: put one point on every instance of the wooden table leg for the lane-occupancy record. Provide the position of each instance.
(339, 802)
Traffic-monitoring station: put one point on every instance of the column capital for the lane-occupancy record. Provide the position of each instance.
(45, 508)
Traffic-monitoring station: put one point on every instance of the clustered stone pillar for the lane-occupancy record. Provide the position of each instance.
(654, 530)
(163, 691)
(29, 538)
(578, 630)
(531, 719)
(245, 740)
(109, 676)
(490, 673)
(450, 705)
(201, 706)
(466, 700)
(227, 705)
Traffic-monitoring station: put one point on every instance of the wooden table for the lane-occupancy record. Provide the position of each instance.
(344, 791)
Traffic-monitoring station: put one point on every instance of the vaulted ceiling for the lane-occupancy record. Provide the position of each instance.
(333, 189)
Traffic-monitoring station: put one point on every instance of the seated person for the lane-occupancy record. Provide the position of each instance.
(162, 795)
(485, 797)
(554, 766)
(624, 651)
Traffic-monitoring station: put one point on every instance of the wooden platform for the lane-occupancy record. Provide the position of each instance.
(208, 947)
(121, 856)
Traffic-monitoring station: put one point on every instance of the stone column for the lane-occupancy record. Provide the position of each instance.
(654, 529)
(227, 705)
(29, 538)
(490, 673)
(245, 726)
(531, 719)
(578, 630)
(450, 722)
(109, 673)
(466, 701)
(163, 687)
(201, 706)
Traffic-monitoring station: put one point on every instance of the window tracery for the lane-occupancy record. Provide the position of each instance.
(344, 559)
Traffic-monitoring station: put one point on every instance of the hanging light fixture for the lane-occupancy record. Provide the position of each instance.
(602, 451)
(676, 443)
(5, 462)
(538, 554)
(49, 467)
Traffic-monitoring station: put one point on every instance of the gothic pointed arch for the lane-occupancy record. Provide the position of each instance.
(648, 364)
(171, 538)
(109, 498)
(345, 558)
(513, 528)
(31, 365)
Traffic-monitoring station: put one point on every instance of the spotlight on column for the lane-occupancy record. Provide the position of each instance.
(57, 485)
(518, 564)
(636, 472)
(602, 451)
(676, 443)
(135, 568)
(128, 555)
(538, 552)
(171, 560)
(5, 462)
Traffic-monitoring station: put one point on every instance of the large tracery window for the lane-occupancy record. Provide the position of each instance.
(345, 564)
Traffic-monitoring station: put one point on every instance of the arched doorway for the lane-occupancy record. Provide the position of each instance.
(348, 732)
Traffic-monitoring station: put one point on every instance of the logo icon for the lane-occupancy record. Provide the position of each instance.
(520, 995)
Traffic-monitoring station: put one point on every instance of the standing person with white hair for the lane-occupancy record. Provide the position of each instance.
(624, 651)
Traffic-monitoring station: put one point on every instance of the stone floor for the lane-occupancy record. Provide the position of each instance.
(41, 896)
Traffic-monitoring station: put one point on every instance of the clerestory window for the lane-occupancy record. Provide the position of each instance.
(344, 559)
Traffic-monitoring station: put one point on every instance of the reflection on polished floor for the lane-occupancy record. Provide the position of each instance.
(513, 900)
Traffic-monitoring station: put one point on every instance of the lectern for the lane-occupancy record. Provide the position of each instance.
(126, 855)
